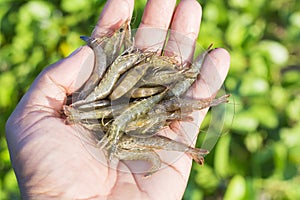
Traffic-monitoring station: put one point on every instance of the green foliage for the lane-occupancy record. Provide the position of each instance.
(258, 157)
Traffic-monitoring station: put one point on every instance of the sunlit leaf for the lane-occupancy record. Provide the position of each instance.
(278, 52)
(74, 5)
(39, 9)
(244, 121)
(7, 81)
(236, 189)
(253, 141)
(280, 158)
(222, 156)
(253, 86)
(206, 178)
(236, 32)
(293, 110)
(265, 114)
(290, 135)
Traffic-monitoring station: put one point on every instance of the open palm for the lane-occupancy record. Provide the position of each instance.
(50, 161)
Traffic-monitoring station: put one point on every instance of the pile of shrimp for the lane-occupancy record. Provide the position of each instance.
(131, 95)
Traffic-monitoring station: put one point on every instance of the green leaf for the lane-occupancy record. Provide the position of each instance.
(280, 158)
(39, 9)
(221, 159)
(7, 82)
(293, 110)
(10, 182)
(278, 53)
(74, 5)
(279, 97)
(244, 122)
(253, 86)
(206, 178)
(237, 30)
(253, 141)
(236, 189)
(265, 115)
(290, 136)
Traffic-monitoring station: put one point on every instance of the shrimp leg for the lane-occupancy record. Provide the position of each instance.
(118, 126)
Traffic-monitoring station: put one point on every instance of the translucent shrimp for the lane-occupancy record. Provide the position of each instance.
(143, 92)
(129, 80)
(151, 123)
(188, 105)
(191, 75)
(106, 50)
(119, 124)
(135, 148)
(119, 66)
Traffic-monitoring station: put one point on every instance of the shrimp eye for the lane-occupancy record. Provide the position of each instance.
(121, 30)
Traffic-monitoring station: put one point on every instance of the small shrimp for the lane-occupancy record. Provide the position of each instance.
(162, 64)
(113, 46)
(132, 77)
(106, 50)
(119, 124)
(146, 91)
(192, 73)
(153, 122)
(98, 71)
(133, 148)
(162, 78)
(119, 66)
(75, 115)
(188, 105)
(129, 80)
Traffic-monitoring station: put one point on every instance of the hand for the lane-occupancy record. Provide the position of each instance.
(49, 159)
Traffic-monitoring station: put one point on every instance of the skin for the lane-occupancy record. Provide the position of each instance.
(51, 162)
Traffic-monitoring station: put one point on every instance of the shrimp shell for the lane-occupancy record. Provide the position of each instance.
(164, 78)
(146, 91)
(151, 123)
(119, 66)
(188, 105)
(129, 80)
(76, 115)
(134, 148)
(99, 68)
(133, 112)
(183, 85)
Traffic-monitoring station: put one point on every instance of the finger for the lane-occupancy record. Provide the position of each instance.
(114, 14)
(155, 22)
(184, 30)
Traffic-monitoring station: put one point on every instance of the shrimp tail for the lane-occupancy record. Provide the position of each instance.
(222, 99)
(197, 154)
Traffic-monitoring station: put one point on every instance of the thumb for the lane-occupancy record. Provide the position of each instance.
(52, 86)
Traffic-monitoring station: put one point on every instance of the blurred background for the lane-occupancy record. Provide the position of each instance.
(258, 154)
